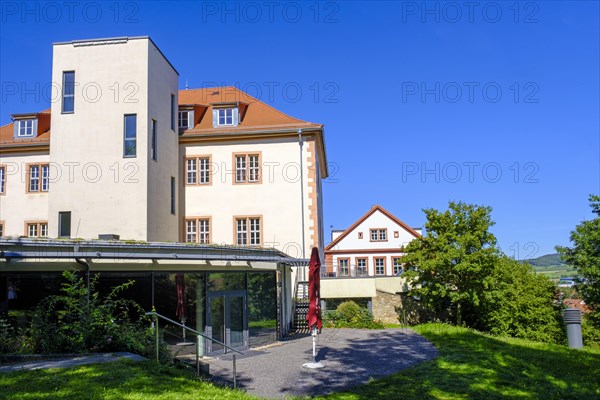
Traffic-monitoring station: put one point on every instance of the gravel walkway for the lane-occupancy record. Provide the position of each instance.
(351, 357)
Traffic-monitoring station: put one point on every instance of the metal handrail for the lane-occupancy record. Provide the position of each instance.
(157, 316)
(193, 330)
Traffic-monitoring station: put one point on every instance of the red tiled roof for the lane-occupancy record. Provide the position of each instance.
(254, 116)
(43, 138)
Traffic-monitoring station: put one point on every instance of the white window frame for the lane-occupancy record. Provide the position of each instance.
(377, 271)
(378, 235)
(25, 128)
(187, 117)
(247, 168)
(191, 230)
(248, 231)
(204, 231)
(361, 270)
(191, 171)
(397, 268)
(225, 114)
(344, 266)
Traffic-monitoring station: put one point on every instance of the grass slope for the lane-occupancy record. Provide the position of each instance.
(476, 366)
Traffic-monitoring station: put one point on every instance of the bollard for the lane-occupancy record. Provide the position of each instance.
(572, 318)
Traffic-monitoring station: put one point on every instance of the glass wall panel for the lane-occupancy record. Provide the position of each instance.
(262, 307)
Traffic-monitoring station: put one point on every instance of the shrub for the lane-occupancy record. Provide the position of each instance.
(351, 315)
(79, 320)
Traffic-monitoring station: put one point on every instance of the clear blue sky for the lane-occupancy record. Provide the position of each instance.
(423, 102)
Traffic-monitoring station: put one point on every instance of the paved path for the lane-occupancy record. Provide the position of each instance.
(350, 356)
(70, 361)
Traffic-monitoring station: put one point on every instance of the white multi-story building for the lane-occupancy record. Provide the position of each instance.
(364, 263)
(122, 153)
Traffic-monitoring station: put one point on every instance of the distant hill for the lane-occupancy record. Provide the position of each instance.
(552, 266)
(546, 260)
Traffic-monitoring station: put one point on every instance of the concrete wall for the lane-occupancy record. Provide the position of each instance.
(163, 226)
(91, 140)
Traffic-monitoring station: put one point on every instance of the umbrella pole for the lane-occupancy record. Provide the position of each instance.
(314, 341)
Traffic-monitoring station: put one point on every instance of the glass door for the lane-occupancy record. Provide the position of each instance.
(227, 320)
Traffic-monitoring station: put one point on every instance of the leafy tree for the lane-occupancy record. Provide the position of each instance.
(585, 257)
(452, 266)
(522, 304)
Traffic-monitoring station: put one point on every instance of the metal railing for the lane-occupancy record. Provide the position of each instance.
(198, 335)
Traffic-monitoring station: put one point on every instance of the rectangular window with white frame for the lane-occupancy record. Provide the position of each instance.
(379, 265)
(397, 265)
(38, 178)
(68, 92)
(36, 229)
(248, 231)
(344, 266)
(198, 170)
(247, 168)
(25, 128)
(361, 267)
(378, 235)
(185, 119)
(225, 116)
(197, 230)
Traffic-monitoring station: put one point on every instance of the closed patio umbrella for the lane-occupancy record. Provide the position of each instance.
(314, 307)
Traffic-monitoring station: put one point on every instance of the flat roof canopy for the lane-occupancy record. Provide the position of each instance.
(26, 254)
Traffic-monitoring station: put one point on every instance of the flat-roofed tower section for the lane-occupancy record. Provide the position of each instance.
(102, 145)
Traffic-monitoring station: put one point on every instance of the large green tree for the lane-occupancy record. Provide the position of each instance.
(585, 257)
(451, 267)
(522, 304)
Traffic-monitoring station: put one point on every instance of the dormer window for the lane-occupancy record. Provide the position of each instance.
(25, 128)
(225, 116)
(186, 119)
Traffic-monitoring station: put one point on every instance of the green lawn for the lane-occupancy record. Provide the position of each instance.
(476, 366)
(121, 380)
(470, 366)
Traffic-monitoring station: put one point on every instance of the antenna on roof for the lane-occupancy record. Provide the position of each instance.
(186, 84)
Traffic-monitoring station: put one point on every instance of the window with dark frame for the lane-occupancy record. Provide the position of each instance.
(172, 195)
(154, 142)
(64, 224)
(172, 112)
(68, 92)
(130, 135)
(2, 179)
